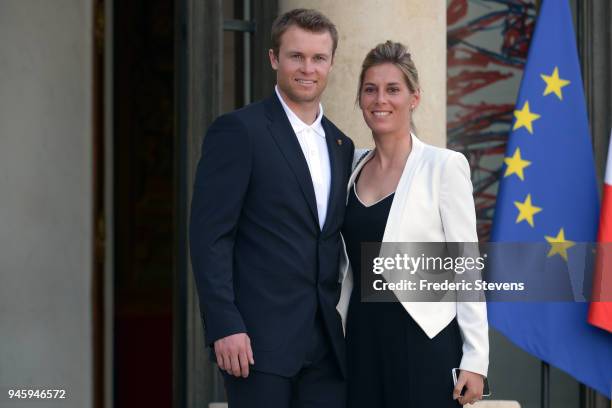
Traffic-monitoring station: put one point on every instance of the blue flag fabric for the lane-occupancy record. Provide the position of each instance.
(548, 193)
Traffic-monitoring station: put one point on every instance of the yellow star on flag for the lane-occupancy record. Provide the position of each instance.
(559, 245)
(516, 164)
(554, 83)
(525, 118)
(526, 210)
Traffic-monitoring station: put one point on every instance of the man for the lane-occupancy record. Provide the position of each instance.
(267, 210)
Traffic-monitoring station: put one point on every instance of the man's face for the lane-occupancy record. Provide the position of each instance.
(303, 62)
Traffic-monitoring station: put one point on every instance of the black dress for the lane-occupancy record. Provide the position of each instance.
(391, 361)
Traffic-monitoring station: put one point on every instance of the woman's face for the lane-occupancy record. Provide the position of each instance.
(385, 100)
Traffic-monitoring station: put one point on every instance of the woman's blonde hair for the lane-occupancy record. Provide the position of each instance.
(394, 53)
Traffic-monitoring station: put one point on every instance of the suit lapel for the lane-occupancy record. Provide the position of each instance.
(285, 138)
(400, 199)
(336, 191)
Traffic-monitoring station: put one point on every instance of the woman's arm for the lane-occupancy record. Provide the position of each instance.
(459, 223)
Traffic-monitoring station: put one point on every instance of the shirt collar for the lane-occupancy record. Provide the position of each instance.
(296, 123)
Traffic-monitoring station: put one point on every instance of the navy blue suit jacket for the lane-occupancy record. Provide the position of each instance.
(262, 264)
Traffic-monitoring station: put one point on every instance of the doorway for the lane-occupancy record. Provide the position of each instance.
(147, 339)
(144, 186)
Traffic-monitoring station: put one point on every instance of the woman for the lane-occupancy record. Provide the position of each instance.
(402, 354)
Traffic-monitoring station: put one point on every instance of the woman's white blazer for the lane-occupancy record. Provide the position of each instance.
(433, 202)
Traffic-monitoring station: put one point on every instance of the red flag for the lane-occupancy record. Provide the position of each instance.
(600, 310)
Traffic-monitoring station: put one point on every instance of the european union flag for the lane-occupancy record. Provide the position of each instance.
(548, 193)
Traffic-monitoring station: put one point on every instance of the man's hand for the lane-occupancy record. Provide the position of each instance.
(234, 354)
(474, 384)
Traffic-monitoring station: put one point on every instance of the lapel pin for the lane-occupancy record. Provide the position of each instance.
(339, 141)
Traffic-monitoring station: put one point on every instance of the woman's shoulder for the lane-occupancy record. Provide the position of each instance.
(358, 156)
(439, 156)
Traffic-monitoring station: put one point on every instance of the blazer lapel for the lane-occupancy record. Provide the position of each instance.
(401, 192)
(285, 138)
(336, 190)
(356, 171)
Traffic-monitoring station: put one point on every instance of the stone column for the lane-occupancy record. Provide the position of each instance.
(420, 25)
(46, 215)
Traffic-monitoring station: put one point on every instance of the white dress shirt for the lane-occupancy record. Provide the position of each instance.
(312, 141)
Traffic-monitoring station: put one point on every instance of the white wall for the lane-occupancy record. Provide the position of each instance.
(46, 199)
